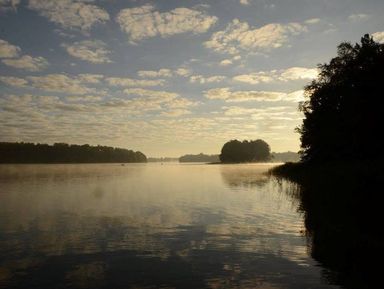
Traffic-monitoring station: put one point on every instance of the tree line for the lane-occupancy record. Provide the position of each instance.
(199, 158)
(235, 151)
(66, 153)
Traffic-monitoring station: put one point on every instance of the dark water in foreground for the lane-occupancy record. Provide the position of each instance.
(151, 226)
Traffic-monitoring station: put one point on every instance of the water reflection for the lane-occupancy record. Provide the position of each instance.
(343, 218)
(149, 226)
(250, 175)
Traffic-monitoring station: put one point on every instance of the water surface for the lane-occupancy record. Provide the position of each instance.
(151, 226)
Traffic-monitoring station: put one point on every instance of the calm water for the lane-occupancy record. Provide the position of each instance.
(150, 226)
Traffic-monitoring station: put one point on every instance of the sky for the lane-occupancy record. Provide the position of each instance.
(168, 77)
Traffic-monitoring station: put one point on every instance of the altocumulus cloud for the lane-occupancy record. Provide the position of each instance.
(27, 62)
(70, 13)
(60, 83)
(94, 51)
(8, 50)
(10, 55)
(292, 73)
(227, 95)
(13, 81)
(239, 36)
(145, 22)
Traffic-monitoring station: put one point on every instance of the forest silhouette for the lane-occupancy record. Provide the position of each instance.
(343, 116)
(340, 176)
(66, 153)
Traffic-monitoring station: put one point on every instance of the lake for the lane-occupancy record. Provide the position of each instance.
(152, 226)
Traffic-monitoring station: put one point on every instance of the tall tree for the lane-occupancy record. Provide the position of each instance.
(343, 116)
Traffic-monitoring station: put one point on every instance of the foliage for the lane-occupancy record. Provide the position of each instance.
(199, 158)
(65, 153)
(235, 151)
(343, 116)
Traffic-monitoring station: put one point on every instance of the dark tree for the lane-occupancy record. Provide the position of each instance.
(344, 112)
(199, 158)
(65, 153)
(235, 151)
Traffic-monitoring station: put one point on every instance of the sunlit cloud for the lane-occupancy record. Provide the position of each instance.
(164, 72)
(245, 2)
(312, 21)
(83, 98)
(228, 95)
(145, 22)
(59, 83)
(13, 81)
(27, 62)
(8, 50)
(240, 36)
(125, 81)
(185, 72)
(208, 79)
(90, 78)
(70, 13)
(11, 57)
(161, 96)
(226, 62)
(378, 36)
(289, 74)
(94, 51)
(175, 112)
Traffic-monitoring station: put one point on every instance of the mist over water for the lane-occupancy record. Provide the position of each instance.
(151, 226)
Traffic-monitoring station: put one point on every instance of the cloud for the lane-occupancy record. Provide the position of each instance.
(185, 72)
(161, 96)
(181, 102)
(60, 83)
(156, 100)
(226, 62)
(8, 50)
(93, 51)
(251, 95)
(125, 81)
(11, 57)
(154, 74)
(83, 98)
(27, 62)
(13, 81)
(312, 21)
(90, 78)
(70, 13)
(244, 2)
(240, 36)
(203, 80)
(358, 17)
(6, 5)
(378, 36)
(175, 112)
(277, 113)
(254, 78)
(292, 73)
(145, 22)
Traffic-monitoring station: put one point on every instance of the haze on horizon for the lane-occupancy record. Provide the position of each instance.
(167, 77)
